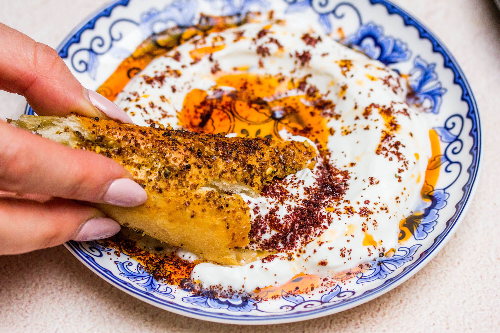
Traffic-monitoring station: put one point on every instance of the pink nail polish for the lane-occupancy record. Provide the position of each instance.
(125, 192)
(107, 107)
(96, 228)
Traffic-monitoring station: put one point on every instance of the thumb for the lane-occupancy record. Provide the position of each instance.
(40, 75)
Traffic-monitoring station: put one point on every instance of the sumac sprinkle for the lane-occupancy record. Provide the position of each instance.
(263, 51)
(305, 218)
(304, 58)
(309, 40)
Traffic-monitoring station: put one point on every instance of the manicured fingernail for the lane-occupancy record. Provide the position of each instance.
(107, 107)
(97, 228)
(126, 193)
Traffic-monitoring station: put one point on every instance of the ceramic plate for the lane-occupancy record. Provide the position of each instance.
(376, 27)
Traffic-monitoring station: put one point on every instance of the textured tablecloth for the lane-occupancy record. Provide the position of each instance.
(458, 291)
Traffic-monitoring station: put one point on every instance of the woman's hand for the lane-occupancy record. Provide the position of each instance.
(39, 179)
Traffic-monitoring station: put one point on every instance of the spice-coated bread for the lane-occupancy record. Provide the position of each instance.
(192, 179)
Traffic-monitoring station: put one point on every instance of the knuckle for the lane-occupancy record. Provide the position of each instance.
(45, 61)
(83, 182)
(51, 236)
(66, 218)
(14, 166)
(45, 58)
(78, 188)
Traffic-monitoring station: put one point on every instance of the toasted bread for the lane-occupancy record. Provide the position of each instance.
(193, 180)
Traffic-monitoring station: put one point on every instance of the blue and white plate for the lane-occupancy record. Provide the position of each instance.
(378, 28)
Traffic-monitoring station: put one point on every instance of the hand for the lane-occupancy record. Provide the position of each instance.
(40, 179)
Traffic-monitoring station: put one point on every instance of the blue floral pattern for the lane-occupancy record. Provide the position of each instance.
(234, 304)
(86, 60)
(142, 278)
(233, 7)
(335, 295)
(450, 134)
(385, 266)
(431, 214)
(178, 13)
(328, 12)
(370, 40)
(425, 85)
(83, 57)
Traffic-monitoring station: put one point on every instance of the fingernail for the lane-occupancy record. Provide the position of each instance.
(107, 107)
(126, 193)
(97, 228)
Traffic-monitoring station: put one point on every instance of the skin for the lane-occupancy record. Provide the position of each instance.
(39, 179)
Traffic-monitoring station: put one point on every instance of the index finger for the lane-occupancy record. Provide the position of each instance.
(36, 71)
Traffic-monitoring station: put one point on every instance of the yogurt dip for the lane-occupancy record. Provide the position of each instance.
(283, 81)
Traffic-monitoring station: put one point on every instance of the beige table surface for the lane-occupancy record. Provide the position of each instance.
(458, 291)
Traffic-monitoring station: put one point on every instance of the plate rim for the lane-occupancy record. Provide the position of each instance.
(469, 188)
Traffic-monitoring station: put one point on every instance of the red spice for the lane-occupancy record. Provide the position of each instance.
(160, 79)
(306, 219)
(327, 108)
(311, 91)
(368, 110)
(239, 35)
(387, 147)
(309, 40)
(269, 258)
(365, 212)
(277, 192)
(215, 68)
(302, 85)
(163, 267)
(275, 41)
(262, 33)
(263, 51)
(349, 210)
(373, 181)
(304, 58)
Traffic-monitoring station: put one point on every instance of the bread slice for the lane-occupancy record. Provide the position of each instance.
(193, 180)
